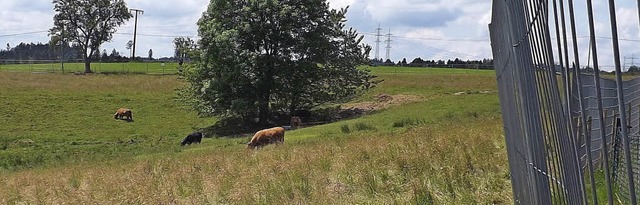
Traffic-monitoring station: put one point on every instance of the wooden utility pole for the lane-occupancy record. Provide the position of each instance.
(63, 45)
(135, 30)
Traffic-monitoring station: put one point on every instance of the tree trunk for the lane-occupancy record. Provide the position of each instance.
(265, 94)
(87, 59)
(263, 107)
(87, 65)
(293, 106)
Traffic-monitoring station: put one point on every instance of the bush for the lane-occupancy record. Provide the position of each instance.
(407, 122)
(361, 126)
(345, 129)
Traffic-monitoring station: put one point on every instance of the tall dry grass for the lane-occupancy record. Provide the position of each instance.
(461, 161)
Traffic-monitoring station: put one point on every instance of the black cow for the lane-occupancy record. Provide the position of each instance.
(195, 137)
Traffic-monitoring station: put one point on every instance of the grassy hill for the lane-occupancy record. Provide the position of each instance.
(61, 145)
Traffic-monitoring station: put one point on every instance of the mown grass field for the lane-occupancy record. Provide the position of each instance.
(61, 145)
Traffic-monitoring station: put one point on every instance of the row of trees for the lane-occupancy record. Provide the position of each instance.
(46, 51)
(456, 63)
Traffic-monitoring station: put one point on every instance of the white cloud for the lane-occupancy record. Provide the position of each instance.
(429, 29)
(627, 22)
(425, 29)
(161, 21)
(425, 33)
(336, 4)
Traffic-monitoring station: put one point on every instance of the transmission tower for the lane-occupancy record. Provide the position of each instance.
(388, 41)
(626, 65)
(378, 35)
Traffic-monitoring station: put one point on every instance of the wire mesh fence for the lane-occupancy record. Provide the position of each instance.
(619, 177)
(609, 109)
(571, 134)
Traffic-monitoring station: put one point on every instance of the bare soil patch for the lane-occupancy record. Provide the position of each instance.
(475, 92)
(383, 101)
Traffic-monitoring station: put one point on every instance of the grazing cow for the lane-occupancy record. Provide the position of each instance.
(267, 136)
(195, 137)
(295, 122)
(123, 113)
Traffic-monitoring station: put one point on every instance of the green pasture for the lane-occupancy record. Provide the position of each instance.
(99, 67)
(431, 82)
(53, 118)
(445, 146)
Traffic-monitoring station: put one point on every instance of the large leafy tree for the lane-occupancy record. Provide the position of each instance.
(258, 56)
(88, 23)
(183, 46)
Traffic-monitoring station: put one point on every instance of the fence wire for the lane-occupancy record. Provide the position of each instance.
(560, 121)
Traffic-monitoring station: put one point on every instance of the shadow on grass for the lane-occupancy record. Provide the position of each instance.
(231, 128)
(238, 127)
(126, 120)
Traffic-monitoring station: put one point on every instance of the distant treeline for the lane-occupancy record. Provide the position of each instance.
(419, 62)
(40, 51)
(631, 70)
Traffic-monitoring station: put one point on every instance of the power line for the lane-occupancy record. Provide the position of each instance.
(117, 33)
(158, 35)
(373, 34)
(440, 53)
(609, 38)
(164, 26)
(605, 37)
(23, 34)
(433, 39)
(432, 50)
(363, 33)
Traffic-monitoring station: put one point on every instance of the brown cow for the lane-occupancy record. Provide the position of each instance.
(123, 113)
(267, 136)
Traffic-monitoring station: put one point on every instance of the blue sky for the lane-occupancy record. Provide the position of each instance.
(430, 29)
